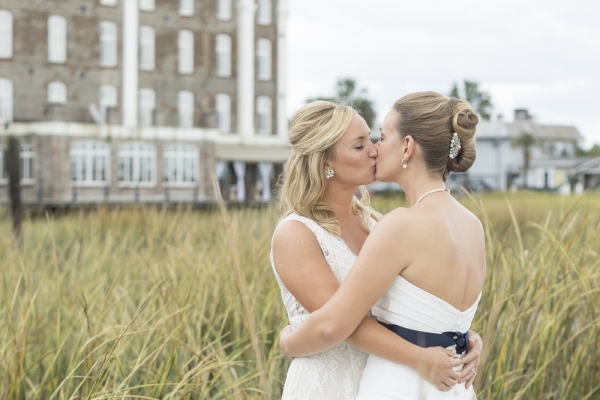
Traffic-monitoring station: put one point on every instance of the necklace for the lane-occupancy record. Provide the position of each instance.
(431, 191)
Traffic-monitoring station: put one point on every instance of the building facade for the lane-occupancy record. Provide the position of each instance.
(500, 162)
(144, 100)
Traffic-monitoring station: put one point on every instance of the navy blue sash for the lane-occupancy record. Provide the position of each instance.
(427, 339)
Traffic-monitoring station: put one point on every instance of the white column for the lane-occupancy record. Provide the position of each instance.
(265, 169)
(282, 122)
(129, 86)
(240, 172)
(245, 68)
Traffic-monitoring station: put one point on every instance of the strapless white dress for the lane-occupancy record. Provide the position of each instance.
(409, 306)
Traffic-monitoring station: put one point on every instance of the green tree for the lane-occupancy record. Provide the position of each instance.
(594, 151)
(480, 101)
(525, 141)
(347, 92)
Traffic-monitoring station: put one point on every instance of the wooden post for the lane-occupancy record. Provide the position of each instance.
(13, 167)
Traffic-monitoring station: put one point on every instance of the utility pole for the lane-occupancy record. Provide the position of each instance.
(13, 168)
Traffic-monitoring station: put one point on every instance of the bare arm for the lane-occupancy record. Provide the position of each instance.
(306, 274)
(381, 259)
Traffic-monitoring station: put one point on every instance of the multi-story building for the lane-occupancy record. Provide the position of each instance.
(147, 100)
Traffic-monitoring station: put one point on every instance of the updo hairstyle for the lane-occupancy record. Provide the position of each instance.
(431, 119)
(314, 131)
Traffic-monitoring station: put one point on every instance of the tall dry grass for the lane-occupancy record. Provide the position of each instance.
(153, 304)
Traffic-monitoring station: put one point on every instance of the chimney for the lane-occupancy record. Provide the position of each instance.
(521, 114)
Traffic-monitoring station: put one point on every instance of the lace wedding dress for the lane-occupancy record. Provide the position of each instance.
(334, 374)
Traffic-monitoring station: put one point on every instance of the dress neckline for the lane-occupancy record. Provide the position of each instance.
(346, 245)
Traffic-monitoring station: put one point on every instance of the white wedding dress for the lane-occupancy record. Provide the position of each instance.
(409, 306)
(334, 374)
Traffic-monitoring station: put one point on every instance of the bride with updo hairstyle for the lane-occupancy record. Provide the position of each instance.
(431, 119)
(422, 268)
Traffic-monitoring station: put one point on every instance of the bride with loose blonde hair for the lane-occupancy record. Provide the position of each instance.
(323, 227)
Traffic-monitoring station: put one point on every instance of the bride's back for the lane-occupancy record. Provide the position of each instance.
(447, 251)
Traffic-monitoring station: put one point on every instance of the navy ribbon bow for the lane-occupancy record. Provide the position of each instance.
(461, 340)
(428, 339)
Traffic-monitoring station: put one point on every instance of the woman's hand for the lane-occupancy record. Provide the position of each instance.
(436, 365)
(471, 359)
(286, 331)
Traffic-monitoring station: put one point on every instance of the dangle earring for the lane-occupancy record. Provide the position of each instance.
(404, 165)
(329, 172)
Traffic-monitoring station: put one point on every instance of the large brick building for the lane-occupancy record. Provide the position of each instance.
(143, 100)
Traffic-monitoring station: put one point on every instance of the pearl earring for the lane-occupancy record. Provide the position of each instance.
(329, 173)
(404, 165)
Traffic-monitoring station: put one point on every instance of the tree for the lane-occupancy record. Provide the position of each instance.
(346, 92)
(525, 140)
(594, 151)
(480, 101)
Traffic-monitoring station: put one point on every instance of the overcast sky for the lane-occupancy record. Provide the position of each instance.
(543, 55)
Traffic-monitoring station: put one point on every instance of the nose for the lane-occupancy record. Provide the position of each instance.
(373, 150)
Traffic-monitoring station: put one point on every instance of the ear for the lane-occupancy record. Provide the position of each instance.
(409, 147)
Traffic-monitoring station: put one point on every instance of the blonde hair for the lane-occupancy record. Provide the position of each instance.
(314, 131)
(431, 119)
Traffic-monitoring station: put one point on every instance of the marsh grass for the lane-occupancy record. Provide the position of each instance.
(154, 304)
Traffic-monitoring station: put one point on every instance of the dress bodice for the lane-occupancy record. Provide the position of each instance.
(336, 373)
(409, 306)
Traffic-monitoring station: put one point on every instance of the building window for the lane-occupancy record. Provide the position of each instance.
(224, 10)
(6, 34)
(147, 5)
(186, 7)
(185, 107)
(6, 100)
(147, 103)
(137, 164)
(223, 46)
(108, 2)
(57, 39)
(264, 12)
(263, 55)
(147, 48)
(57, 92)
(181, 165)
(108, 44)
(107, 99)
(90, 163)
(26, 155)
(223, 108)
(263, 114)
(185, 45)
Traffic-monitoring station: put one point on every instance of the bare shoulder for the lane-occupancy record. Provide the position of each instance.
(295, 247)
(472, 218)
(394, 223)
(293, 235)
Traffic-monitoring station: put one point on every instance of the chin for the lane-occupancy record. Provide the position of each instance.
(381, 178)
